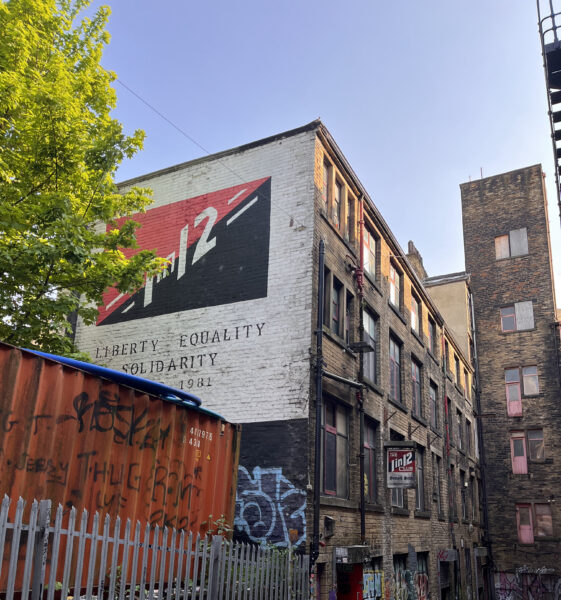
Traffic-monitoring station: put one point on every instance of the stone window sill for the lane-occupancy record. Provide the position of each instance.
(397, 312)
(401, 512)
(397, 405)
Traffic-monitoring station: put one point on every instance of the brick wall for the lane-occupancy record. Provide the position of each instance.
(493, 207)
(389, 531)
(247, 360)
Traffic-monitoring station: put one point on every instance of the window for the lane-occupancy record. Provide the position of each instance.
(530, 379)
(536, 448)
(468, 437)
(370, 487)
(433, 395)
(466, 384)
(530, 387)
(502, 249)
(416, 388)
(415, 315)
(337, 204)
(533, 519)
(544, 522)
(395, 375)
(422, 568)
(326, 188)
(370, 364)
(457, 371)
(513, 244)
(453, 492)
(508, 318)
(463, 495)
(472, 497)
(419, 481)
(350, 213)
(437, 482)
(518, 452)
(517, 317)
(348, 318)
(337, 307)
(432, 336)
(398, 497)
(524, 523)
(326, 296)
(449, 419)
(369, 252)
(513, 398)
(395, 287)
(460, 430)
(335, 449)
(447, 356)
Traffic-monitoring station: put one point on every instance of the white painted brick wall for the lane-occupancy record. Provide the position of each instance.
(255, 377)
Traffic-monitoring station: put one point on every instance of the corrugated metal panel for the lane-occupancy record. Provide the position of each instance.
(87, 442)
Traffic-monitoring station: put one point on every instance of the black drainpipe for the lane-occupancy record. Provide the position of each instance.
(319, 403)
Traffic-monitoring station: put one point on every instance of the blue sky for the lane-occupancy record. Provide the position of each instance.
(420, 96)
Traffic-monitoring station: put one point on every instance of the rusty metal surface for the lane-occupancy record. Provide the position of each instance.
(86, 442)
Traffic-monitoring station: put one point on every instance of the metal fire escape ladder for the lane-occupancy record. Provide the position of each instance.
(550, 33)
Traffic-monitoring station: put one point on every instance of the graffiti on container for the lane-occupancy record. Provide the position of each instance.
(166, 490)
(268, 506)
(527, 586)
(129, 425)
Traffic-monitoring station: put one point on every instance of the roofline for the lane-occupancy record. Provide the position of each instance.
(218, 155)
(324, 133)
(447, 278)
(467, 183)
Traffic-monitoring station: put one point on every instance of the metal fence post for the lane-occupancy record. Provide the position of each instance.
(214, 571)
(40, 551)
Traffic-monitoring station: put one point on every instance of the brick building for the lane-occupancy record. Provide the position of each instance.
(508, 259)
(235, 319)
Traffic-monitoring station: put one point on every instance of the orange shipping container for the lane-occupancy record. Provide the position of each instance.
(85, 440)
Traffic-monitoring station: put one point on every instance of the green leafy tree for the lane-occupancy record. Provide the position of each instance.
(59, 150)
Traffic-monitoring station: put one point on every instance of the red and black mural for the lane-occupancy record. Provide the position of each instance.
(218, 247)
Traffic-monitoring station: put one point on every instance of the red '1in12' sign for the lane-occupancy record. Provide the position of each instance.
(401, 468)
(217, 245)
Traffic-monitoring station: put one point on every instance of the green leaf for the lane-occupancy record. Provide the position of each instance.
(59, 151)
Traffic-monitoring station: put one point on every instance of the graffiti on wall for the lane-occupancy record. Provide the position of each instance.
(410, 585)
(217, 246)
(372, 584)
(269, 508)
(527, 586)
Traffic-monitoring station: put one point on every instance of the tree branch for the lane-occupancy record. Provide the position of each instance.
(34, 189)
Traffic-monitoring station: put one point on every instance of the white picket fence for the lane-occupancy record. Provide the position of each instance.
(46, 561)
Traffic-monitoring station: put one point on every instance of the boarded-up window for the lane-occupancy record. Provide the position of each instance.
(501, 247)
(518, 242)
(524, 315)
(513, 244)
(544, 522)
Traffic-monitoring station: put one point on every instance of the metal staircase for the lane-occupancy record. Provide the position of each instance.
(549, 22)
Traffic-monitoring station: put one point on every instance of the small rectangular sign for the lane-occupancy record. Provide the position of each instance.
(401, 468)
